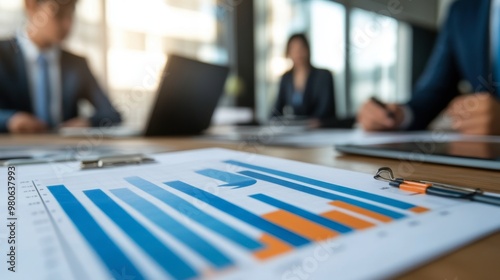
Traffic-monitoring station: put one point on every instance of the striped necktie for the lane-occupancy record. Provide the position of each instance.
(43, 98)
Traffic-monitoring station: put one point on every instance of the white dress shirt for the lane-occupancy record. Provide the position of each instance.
(31, 53)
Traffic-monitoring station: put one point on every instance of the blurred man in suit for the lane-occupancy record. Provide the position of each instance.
(41, 84)
(467, 52)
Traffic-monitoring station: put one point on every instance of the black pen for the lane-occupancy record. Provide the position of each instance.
(382, 105)
(433, 188)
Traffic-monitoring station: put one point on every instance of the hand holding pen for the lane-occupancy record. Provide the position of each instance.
(376, 116)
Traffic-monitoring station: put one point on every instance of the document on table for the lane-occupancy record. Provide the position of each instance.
(222, 214)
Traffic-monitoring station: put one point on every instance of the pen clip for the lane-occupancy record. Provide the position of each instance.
(384, 174)
(112, 161)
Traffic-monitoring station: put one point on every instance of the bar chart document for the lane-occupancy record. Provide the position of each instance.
(220, 214)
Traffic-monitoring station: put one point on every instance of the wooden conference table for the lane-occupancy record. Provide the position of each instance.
(480, 260)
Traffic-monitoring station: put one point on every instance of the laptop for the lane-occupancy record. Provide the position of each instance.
(468, 153)
(186, 100)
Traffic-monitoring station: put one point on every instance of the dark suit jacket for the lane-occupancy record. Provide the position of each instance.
(318, 100)
(77, 83)
(462, 52)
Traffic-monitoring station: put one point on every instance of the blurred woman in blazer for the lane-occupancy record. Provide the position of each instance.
(305, 91)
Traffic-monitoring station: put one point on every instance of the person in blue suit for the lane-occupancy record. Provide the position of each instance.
(40, 83)
(467, 52)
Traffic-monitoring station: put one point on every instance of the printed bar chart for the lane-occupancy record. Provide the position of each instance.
(202, 214)
(283, 229)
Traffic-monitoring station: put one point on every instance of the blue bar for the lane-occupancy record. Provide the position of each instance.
(167, 259)
(112, 257)
(173, 227)
(195, 214)
(232, 180)
(323, 194)
(240, 213)
(303, 213)
(373, 197)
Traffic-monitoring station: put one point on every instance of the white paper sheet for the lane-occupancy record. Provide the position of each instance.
(290, 220)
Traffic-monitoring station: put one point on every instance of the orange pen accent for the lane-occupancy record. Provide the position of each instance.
(273, 248)
(412, 186)
(361, 211)
(300, 225)
(347, 220)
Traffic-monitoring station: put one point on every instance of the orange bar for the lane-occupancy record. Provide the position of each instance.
(300, 225)
(274, 247)
(347, 220)
(419, 209)
(361, 211)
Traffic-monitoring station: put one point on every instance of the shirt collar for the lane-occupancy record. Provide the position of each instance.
(31, 51)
